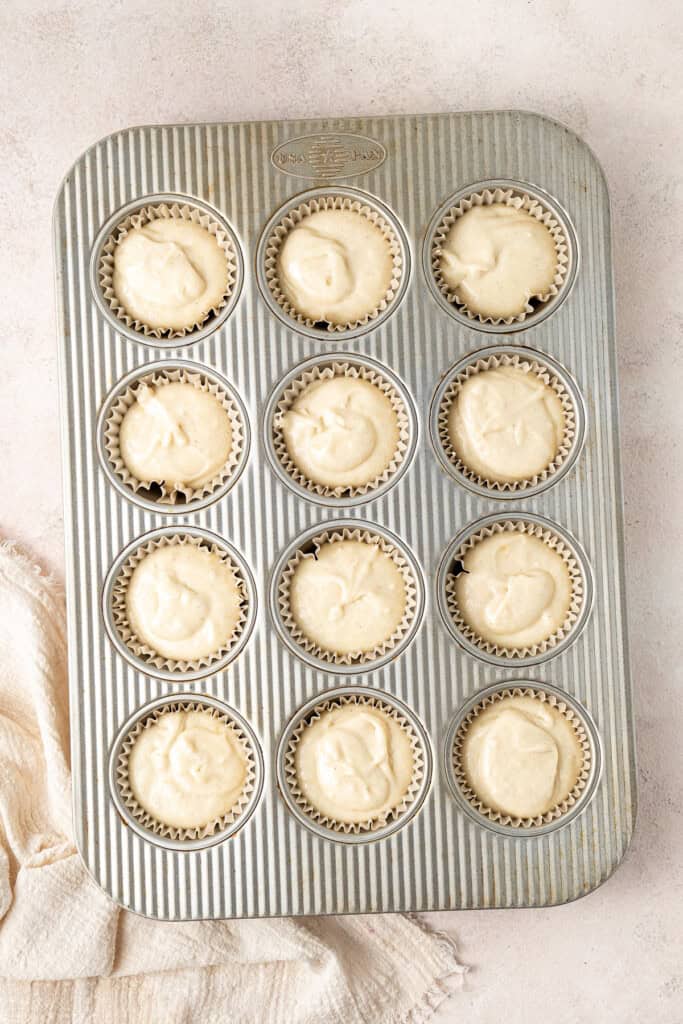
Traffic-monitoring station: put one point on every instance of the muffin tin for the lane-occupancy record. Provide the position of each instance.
(440, 853)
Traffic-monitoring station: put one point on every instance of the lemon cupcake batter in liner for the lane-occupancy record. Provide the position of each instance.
(522, 757)
(189, 759)
(389, 606)
(565, 421)
(320, 264)
(171, 260)
(346, 434)
(515, 202)
(519, 607)
(174, 492)
(179, 614)
(354, 764)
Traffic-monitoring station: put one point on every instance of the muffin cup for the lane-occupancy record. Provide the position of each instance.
(328, 369)
(558, 541)
(558, 814)
(308, 547)
(135, 649)
(138, 217)
(146, 824)
(372, 828)
(291, 217)
(549, 373)
(535, 202)
(176, 498)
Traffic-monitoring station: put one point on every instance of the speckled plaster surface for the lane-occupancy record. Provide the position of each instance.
(73, 72)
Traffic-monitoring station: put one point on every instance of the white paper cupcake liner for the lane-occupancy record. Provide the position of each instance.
(147, 820)
(293, 218)
(352, 657)
(137, 646)
(520, 200)
(546, 376)
(372, 824)
(328, 371)
(145, 215)
(559, 809)
(557, 544)
(175, 495)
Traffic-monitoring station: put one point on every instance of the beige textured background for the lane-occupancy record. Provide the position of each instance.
(73, 72)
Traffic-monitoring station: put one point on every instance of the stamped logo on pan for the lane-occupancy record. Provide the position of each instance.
(328, 155)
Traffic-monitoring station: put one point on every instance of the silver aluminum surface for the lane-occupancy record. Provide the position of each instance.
(442, 858)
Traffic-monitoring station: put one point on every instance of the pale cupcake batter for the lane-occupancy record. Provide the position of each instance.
(516, 589)
(170, 273)
(521, 756)
(498, 257)
(341, 432)
(350, 598)
(175, 434)
(335, 266)
(183, 601)
(506, 424)
(354, 763)
(187, 769)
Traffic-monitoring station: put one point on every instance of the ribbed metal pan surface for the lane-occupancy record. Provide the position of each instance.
(442, 858)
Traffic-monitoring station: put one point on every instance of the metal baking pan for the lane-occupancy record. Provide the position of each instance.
(442, 858)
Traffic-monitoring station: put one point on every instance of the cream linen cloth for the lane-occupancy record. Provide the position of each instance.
(69, 954)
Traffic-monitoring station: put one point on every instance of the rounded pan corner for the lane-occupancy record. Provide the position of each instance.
(554, 904)
(614, 867)
(78, 843)
(119, 901)
(89, 149)
(555, 123)
(74, 164)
